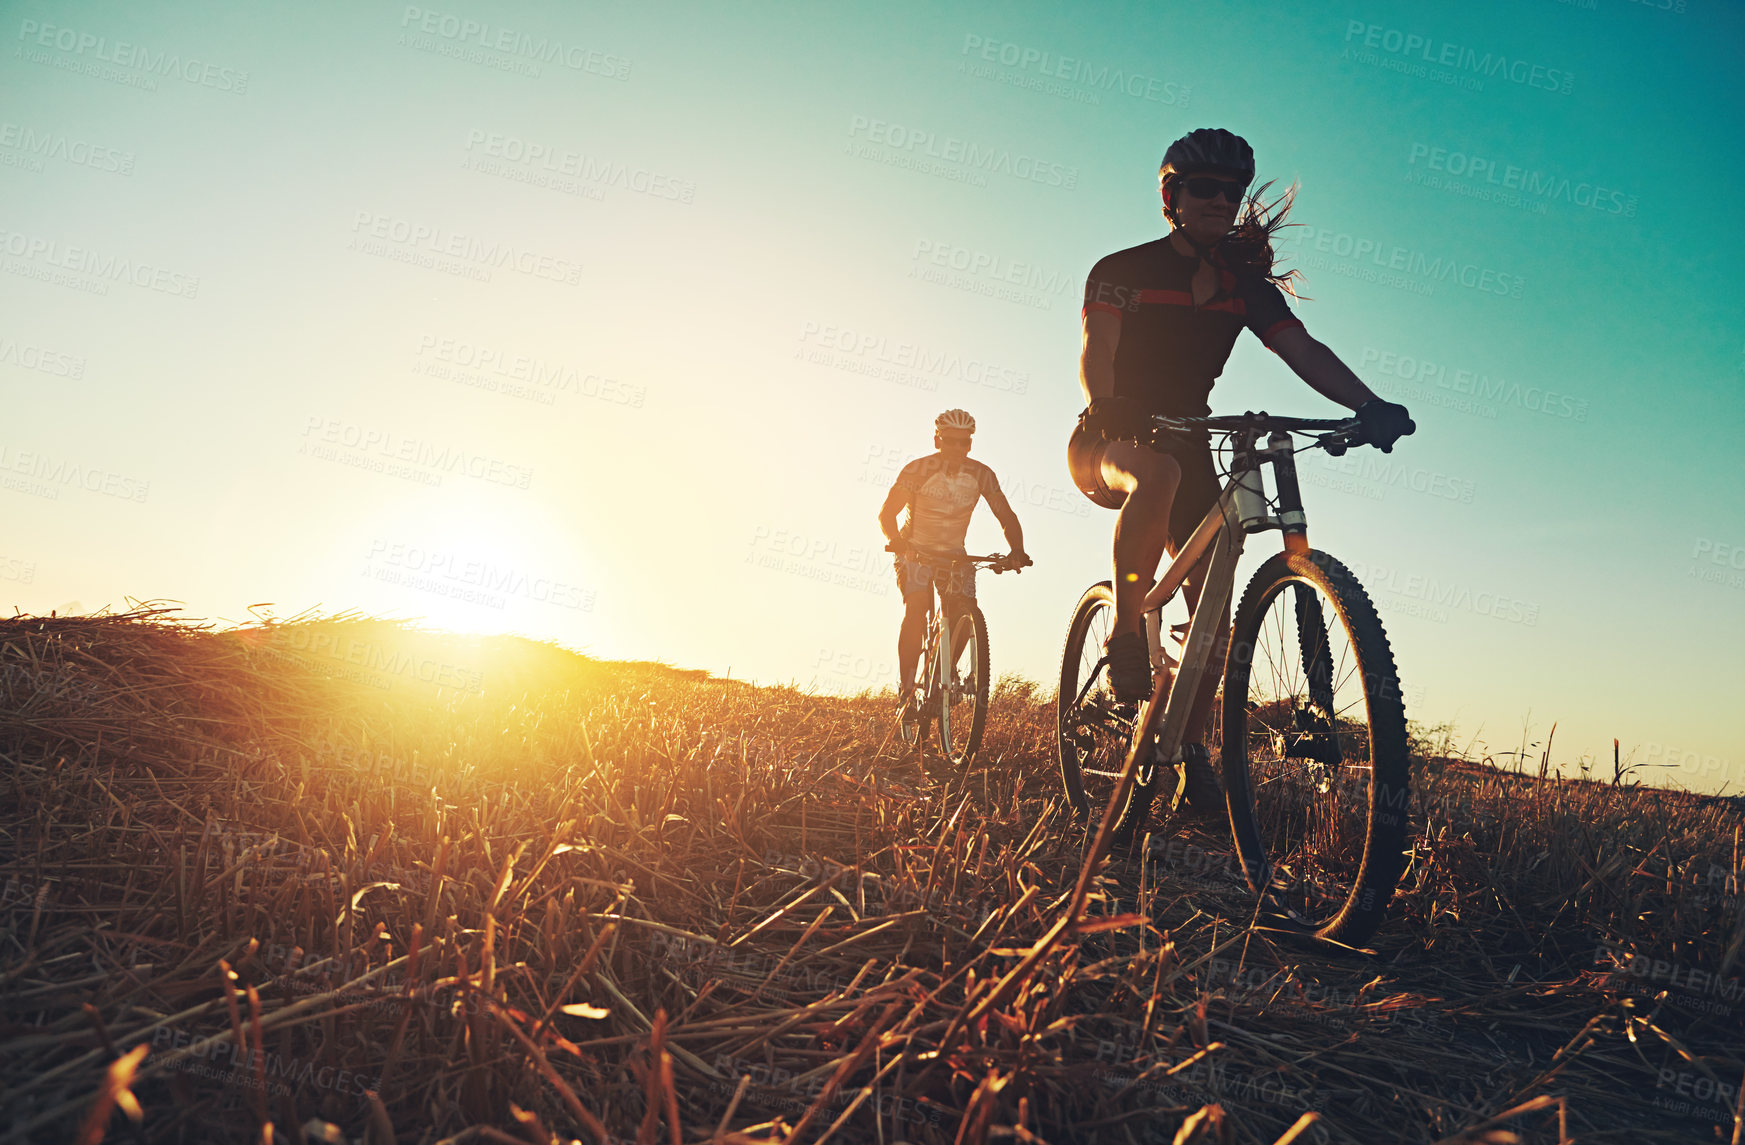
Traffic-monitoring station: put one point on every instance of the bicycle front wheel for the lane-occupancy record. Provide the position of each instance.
(1314, 749)
(1093, 729)
(964, 687)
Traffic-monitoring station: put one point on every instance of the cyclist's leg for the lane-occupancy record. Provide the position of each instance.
(1140, 483)
(956, 606)
(915, 582)
(1148, 480)
(1198, 493)
(957, 589)
(1195, 729)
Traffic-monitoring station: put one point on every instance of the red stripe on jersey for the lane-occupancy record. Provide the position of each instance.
(1281, 324)
(1183, 298)
(1105, 307)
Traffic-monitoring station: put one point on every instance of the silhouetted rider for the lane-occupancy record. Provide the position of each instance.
(1160, 320)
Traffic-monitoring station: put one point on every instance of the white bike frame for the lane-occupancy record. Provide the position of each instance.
(1240, 509)
(939, 662)
(936, 674)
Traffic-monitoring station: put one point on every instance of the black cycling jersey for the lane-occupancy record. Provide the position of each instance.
(1171, 351)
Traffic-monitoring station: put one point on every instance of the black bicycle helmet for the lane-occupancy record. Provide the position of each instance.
(1207, 149)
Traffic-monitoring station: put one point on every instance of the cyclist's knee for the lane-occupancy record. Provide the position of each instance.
(1142, 472)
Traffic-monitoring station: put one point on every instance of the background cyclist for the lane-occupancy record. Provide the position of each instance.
(1160, 320)
(940, 491)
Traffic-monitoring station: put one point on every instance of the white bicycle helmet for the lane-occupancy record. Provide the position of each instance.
(954, 419)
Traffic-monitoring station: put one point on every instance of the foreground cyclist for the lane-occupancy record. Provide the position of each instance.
(940, 491)
(1160, 321)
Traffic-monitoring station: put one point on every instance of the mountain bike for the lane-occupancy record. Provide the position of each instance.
(952, 698)
(1311, 728)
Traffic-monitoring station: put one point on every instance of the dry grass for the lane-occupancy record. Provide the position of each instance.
(427, 888)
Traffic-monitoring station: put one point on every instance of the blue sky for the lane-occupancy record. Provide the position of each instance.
(611, 323)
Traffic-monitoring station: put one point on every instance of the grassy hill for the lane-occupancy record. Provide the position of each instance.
(358, 881)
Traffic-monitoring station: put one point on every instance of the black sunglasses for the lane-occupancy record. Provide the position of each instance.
(1201, 187)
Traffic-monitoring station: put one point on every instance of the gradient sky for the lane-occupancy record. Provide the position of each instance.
(703, 257)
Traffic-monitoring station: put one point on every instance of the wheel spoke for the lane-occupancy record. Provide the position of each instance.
(1300, 731)
(1093, 728)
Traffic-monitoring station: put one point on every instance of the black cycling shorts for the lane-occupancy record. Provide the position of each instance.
(1197, 492)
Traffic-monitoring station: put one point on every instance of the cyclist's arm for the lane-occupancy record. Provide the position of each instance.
(1319, 366)
(1097, 355)
(1008, 520)
(894, 502)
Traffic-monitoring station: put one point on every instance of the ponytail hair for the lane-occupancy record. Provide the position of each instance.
(1248, 248)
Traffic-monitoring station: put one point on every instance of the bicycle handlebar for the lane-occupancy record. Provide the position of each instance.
(1337, 434)
(1235, 423)
(993, 560)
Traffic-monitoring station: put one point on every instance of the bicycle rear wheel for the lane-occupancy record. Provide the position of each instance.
(1314, 749)
(1093, 730)
(963, 693)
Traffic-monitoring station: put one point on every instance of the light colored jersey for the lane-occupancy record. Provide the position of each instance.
(941, 495)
